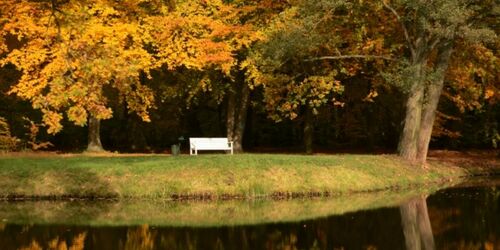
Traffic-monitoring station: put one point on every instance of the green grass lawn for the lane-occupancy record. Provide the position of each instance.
(209, 176)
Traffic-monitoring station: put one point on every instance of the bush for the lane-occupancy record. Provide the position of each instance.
(7, 141)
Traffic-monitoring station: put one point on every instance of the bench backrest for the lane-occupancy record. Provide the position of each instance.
(209, 143)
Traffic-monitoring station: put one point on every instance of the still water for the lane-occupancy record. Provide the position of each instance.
(466, 216)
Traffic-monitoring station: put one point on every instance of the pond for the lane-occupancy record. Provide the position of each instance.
(466, 216)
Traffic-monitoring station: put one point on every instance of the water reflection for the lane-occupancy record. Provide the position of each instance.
(416, 224)
(463, 218)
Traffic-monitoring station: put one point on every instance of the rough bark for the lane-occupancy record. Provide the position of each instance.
(308, 131)
(407, 147)
(433, 94)
(416, 225)
(237, 107)
(94, 136)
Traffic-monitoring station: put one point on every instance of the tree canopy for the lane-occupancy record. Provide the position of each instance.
(324, 68)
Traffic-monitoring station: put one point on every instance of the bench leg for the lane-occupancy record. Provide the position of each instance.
(231, 150)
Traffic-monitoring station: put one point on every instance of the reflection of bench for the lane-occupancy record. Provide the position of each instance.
(219, 143)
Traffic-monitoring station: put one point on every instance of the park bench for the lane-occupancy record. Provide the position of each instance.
(206, 143)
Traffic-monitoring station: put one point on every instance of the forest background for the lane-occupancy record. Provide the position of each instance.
(285, 76)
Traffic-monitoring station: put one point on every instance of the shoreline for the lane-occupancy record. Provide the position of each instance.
(213, 177)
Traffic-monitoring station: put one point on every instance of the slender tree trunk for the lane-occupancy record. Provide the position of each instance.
(241, 115)
(94, 137)
(231, 111)
(308, 131)
(237, 107)
(431, 103)
(407, 147)
(416, 225)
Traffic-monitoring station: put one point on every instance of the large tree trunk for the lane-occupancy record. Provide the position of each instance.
(416, 225)
(237, 107)
(433, 94)
(308, 131)
(407, 147)
(94, 137)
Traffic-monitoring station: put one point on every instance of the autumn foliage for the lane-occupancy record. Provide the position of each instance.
(70, 52)
(296, 62)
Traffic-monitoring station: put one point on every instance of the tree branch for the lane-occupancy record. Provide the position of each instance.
(350, 57)
(403, 26)
(56, 20)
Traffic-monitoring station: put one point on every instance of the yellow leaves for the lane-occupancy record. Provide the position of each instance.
(473, 75)
(284, 97)
(7, 141)
(140, 100)
(52, 120)
(78, 115)
(200, 35)
(100, 111)
(66, 67)
(68, 59)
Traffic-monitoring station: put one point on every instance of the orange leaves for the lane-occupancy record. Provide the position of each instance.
(373, 46)
(52, 120)
(200, 35)
(489, 93)
(68, 59)
(474, 75)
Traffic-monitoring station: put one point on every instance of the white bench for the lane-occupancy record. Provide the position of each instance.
(204, 143)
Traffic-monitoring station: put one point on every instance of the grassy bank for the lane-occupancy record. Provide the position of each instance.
(209, 176)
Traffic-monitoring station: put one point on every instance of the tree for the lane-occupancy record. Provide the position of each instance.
(208, 40)
(310, 48)
(468, 111)
(430, 31)
(71, 52)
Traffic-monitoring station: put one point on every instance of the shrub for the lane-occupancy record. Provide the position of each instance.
(7, 141)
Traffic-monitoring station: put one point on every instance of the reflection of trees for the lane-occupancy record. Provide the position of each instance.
(379, 228)
(416, 225)
(467, 217)
(461, 219)
(77, 243)
(140, 238)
